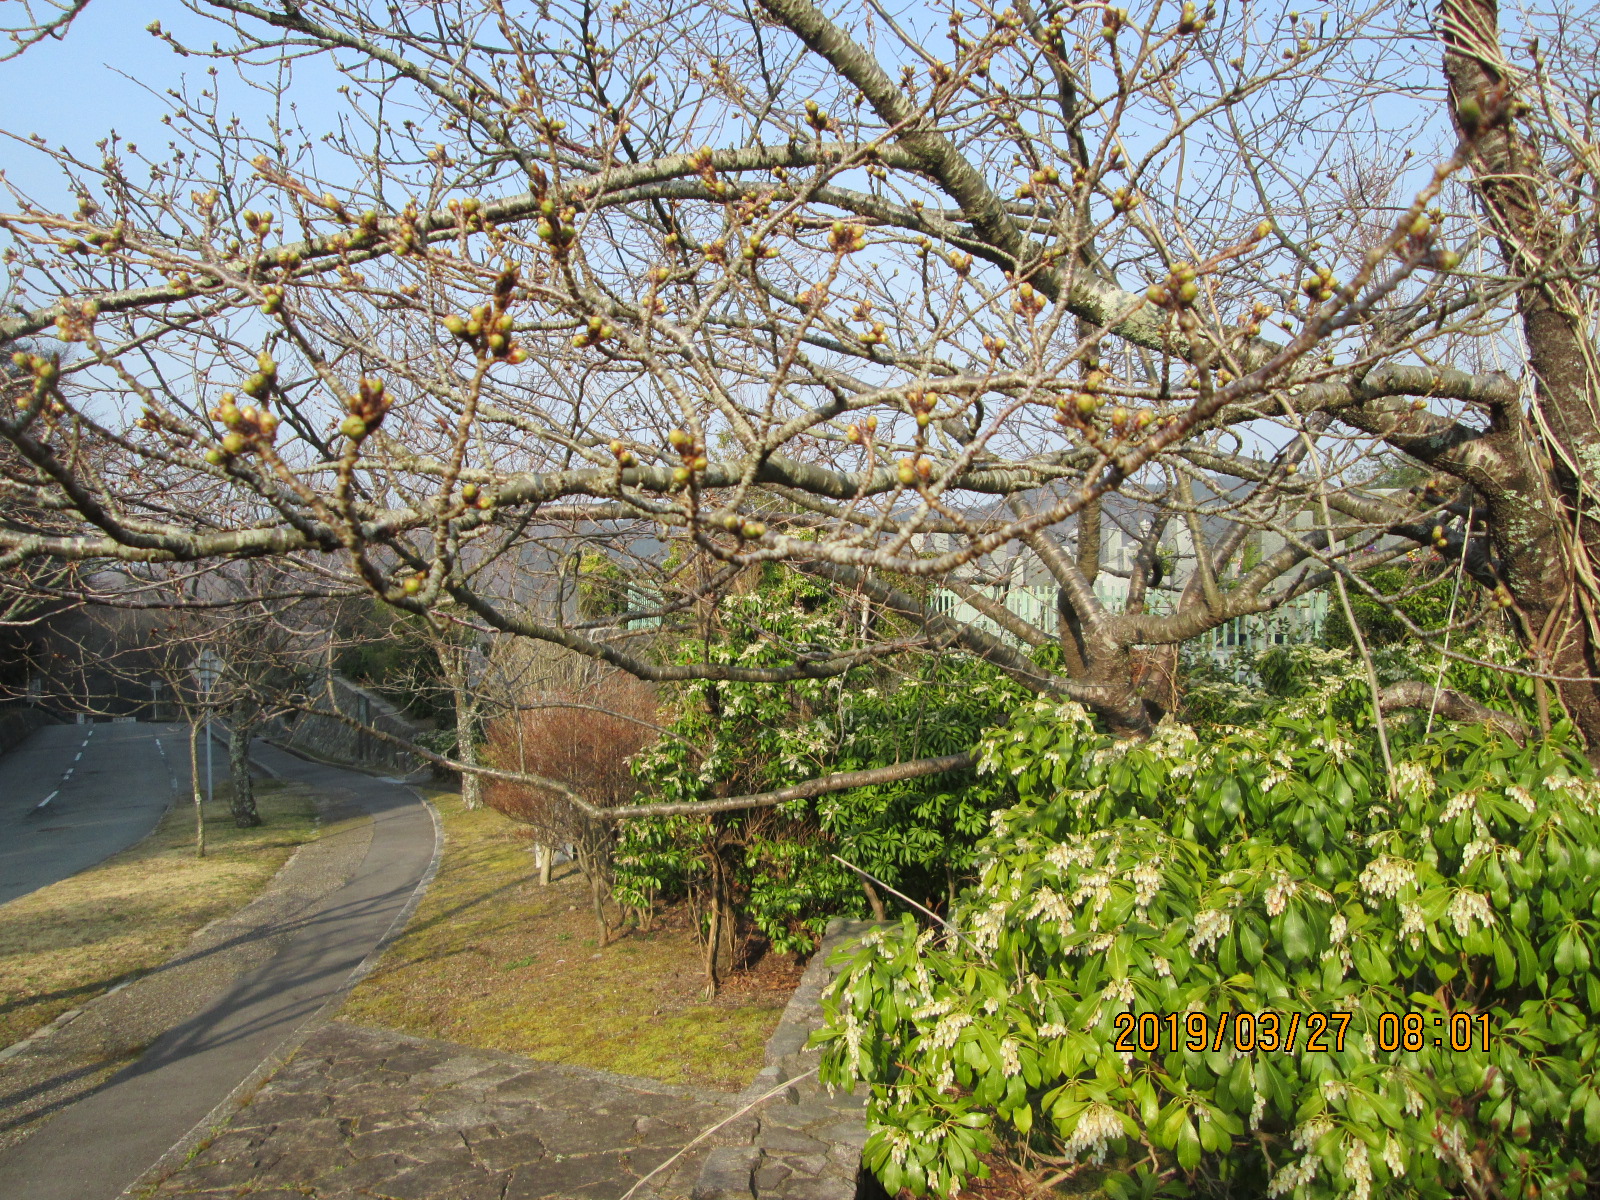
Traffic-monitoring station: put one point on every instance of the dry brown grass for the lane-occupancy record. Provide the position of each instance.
(493, 960)
(69, 942)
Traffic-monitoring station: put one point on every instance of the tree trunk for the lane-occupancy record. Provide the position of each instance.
(1546, 538)
(543, 855)
(194, 786)
(243, 804)
(597, 896)
(874, 901)
(467, 742)
(714, 934)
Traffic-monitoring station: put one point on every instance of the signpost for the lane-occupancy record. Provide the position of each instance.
(207, 670)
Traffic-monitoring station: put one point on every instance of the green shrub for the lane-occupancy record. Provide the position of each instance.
(918, 835)
(1266, 869)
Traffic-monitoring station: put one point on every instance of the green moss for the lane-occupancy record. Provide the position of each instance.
(493, 960)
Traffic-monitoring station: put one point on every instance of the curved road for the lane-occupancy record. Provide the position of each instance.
(99, 1145)
(71, 795)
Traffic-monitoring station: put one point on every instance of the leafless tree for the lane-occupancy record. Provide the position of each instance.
(872, 296)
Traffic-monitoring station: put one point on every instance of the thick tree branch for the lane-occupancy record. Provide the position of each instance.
(1452, 705)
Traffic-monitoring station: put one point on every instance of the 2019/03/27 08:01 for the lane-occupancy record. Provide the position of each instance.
(1286, 1033)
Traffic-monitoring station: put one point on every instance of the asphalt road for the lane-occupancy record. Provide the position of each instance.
(70, 795)
(98, 1146)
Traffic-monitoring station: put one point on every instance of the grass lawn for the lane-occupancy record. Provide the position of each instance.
(67, 943)
(493, 960)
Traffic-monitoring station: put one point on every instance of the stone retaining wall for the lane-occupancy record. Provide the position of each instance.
(806, 1143)
(328, 738)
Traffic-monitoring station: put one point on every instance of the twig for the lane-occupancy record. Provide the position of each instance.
(1455, 591)
(704, 1134)
(949, 925)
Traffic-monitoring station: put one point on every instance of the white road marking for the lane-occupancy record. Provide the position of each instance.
(47, 799)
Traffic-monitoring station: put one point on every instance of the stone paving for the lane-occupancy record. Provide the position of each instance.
(363, 1112)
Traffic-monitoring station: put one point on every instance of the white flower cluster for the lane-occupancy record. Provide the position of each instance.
(1298, 1174)
(1279, 892)
(1412, 924)
(1474, 850)
(1357, 1168)
(1010, 1063)
(1172, 741)
(1467, 906)
(1095, 888)
(1309, 1132)
(1414, 1102)
(1295, 1175)
(948, 1029)
(899, 1146)
(1210, 926)
(1461, 802)
(1384, 876)
(1523, 797)
(1053, 1030)
(986, 924)
(1096, 1128)
(989, 759)
(1067, 855)
(1338, 749)
(1146, 879)
(1394, 1156)
(1412, 779)
(1047, 901)
(852, 1039)
(1119, 990)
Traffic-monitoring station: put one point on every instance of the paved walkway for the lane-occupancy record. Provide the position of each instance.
(364, 1112)
(371, 1113)
(87, 1110)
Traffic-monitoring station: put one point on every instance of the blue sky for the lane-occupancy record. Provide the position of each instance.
(108, 73)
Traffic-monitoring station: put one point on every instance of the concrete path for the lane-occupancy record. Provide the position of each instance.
(237, 1000)
(71, 795)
